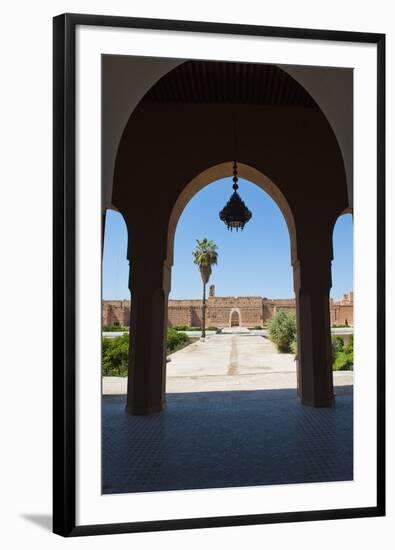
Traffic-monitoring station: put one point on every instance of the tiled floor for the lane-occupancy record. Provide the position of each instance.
(226, 439)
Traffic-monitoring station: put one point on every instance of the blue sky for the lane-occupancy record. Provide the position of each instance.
(254, 262)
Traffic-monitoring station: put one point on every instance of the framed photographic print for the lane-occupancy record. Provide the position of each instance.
(218, 274)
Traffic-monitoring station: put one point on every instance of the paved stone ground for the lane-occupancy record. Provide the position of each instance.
(227, 362)
(226, 439)
(211, 434)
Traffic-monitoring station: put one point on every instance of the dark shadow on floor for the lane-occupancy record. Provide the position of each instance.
(227, 439)
(42, 520)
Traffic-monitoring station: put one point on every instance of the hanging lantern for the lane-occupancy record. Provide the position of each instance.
(235, 214)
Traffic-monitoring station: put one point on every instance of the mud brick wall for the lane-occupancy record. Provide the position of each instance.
(223, 311)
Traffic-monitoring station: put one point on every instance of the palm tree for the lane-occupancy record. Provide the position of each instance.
(205, 255)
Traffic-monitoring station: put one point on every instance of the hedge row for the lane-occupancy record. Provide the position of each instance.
(114, 328)
(115, 351)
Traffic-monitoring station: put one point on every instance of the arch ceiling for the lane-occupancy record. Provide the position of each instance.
(128, 80)
(220, 82)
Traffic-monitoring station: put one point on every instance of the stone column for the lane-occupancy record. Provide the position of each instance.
(312, 283)
(149, 286)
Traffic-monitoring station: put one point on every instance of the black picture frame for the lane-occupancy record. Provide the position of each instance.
(64, 270)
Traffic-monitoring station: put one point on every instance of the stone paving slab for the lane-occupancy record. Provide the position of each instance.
(229, 354)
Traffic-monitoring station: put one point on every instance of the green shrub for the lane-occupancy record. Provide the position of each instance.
(282, 330)
(257, 327)
(350, 346)
(212, 328)
(337, 345)
(342, 356)
(185, 327)
(115, 356)
(176, 340)
(343, 361)
(115, 351)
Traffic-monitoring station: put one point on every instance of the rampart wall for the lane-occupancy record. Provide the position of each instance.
(225, 311)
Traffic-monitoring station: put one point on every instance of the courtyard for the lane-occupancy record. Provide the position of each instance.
(236, 360)
(232, 419)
